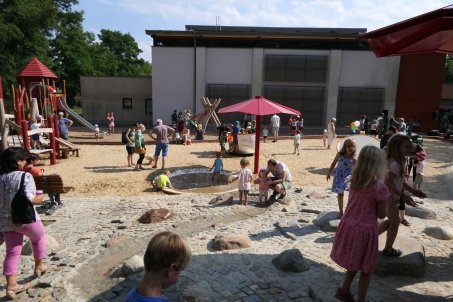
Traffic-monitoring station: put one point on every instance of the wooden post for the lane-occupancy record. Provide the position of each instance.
(53, 155)
(26, 139)
(3, 127)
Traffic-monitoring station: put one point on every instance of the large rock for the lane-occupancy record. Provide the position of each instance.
(52, 245)
(231, 241)
(132, 266)
(327, 221)
(221, 200)
(420, 212)
(410, 263)
(439, 232)
(290, 261)
(155, 215)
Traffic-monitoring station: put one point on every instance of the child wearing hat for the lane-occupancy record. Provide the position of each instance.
(420, 167)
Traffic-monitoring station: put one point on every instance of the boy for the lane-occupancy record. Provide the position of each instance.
(324, 137)
(166, 256)
(265, 133)
(217, 166)
(162, 181)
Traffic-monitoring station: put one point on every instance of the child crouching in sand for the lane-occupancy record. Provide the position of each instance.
(166, 256)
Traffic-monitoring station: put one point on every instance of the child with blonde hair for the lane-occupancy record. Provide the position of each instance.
(398, 147)
(324, 137)
(355, 247)
(245, 181)
(296, 141)
(166, 256)
(344, 161)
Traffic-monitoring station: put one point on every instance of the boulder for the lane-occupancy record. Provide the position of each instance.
(132, 266)
(410, 263)
(221, 200)
(231, 241)
(52, 245)
(439, 232)
(327, 221)
(155, 215)
(420, 212)
(290, 261)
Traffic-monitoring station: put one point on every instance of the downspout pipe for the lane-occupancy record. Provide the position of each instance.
(194, 104)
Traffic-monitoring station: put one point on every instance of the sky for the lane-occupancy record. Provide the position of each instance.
(136, 16)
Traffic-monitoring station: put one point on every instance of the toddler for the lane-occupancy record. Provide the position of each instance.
(162, 181)
(263, 184)
(344, 161)
(35, 143)
(419, 168)
(30, 166)
(296, 141)
(324, 137)
(245, 179)
(96, 131)
(166, 256)
(217, 166)
(265, 134)
(176, 138)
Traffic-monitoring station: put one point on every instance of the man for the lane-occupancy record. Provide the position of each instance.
(282, 178)
(275, 124)
(160, 134)
(63, 125)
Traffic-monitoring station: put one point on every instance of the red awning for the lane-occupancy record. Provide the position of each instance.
(430, 32)
(35, 68)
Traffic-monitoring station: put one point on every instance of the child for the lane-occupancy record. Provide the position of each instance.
(324, 137)
(419, 168)
(398, 147)
(355, 247)
(30, 166)
(346, 160)
(262, 181)
(217, 166)
(265, 133)
(162, 181)
(245, 179)
(176, 138)
(296, 141)
(96, 131)
(166, 256)
(35, 143)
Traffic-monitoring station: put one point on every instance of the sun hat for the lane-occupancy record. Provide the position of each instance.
(421, 154)
(61, 113)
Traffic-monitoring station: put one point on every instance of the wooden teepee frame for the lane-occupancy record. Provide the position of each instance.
(209, 112)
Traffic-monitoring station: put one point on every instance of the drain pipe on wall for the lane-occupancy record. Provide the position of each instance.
(194, 104)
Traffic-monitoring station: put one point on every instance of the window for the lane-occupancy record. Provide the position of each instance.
(230, 94)
(127, 103)
(311, 69)
(149, 106)
(353, 102)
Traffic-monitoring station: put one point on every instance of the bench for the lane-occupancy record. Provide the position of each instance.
(53, 186)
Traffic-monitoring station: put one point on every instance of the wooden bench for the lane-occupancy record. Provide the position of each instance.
(53, 186)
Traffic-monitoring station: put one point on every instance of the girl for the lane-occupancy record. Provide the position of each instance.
(185, 135)
(398, 147)
(345, 159)
(12, 162)
(356, 241)
(245, 179)
(331, 132)
(30, 166)
(111, 122)
(296, 141)
(263, 184)
(130, 144)
(140, 146)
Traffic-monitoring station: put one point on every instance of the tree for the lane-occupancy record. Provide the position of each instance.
(449, 69)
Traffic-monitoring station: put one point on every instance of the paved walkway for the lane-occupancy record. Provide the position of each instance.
(96, 235)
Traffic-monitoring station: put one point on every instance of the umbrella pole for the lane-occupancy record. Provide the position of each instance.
(257, 144)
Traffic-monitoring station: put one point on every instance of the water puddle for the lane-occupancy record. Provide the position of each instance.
(200, 181)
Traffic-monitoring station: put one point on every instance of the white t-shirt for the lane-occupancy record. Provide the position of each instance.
(297, 139)
(275, 121)
(35, 126)
(265, 132)
(420, 167)
(282, 167)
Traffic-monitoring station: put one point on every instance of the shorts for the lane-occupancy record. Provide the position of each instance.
(161, 147)
(244, 191)
(264, 136)
(35, 137)
(286, 184)
(130, 150)
(393, 202)
(401, 205)
(275, 129)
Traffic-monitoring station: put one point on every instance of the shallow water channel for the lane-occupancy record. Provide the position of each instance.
(201, 182)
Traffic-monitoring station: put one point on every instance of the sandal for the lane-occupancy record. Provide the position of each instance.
(392, 253)
(405, 222)
(342, 296)
(11, 292)
(41, 269)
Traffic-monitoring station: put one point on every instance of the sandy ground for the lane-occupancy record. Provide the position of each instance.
(102, 169)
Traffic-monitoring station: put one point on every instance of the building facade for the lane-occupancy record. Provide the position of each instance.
(323, 73)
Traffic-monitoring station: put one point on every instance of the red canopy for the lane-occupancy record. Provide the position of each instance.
(430, 32)
(258, 106)
(35, 68)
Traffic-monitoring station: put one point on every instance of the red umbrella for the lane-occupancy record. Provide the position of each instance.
(258, 106)
(430, 32)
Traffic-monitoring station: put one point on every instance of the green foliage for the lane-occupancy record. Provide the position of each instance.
(449, 70)
(52, 31)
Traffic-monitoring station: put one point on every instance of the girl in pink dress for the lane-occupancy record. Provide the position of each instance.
(356, 241)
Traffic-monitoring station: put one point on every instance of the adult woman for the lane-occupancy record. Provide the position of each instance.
(12, 162)
(130, 145)
(111, 122)
(140, 146)
(331, 134)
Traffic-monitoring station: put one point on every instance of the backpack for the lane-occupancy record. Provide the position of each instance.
(124, 137)
(22, 210)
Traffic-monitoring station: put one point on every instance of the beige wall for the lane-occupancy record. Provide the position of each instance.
(105, 94)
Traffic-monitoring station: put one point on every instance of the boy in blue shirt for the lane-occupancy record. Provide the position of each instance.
(217, 166)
